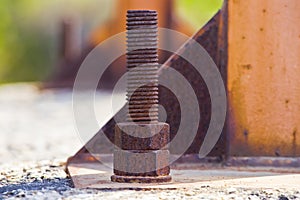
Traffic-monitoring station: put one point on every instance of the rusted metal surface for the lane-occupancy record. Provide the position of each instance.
(131, 160)
(189, 175)
(142, 66)
(278, 162)
(139, 157)
(211, 36)
(257, 68)
(141, 179)
(188, 171)
(263, 78)
(146, 137)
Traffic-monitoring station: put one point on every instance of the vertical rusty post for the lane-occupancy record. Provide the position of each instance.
(263, 78)
(71, 39)
(142, 153)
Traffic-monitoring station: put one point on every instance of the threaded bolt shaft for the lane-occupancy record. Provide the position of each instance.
(142, 66)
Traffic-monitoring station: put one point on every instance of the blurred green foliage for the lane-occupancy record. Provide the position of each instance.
(29, 46)
(24, 49)
(198, 12)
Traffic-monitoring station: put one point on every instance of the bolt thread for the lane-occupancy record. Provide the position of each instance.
(142, 66)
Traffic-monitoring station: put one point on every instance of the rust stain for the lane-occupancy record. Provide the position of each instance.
(247, 66)
(277, 152)
(246, 134)
(287, 101)
(295, 141)
(271, 67)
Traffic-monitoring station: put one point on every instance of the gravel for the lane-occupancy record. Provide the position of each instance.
(38, 133)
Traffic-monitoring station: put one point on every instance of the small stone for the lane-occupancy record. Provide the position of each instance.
(205, 186)
(2, 177)
(231, 190)
(21, 194)
(189, 194)
(282, 197)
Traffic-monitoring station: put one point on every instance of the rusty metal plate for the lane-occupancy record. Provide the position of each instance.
(97, 176)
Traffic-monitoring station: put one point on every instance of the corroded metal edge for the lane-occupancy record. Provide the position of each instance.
(141, 179)
(276, 162)
(279, 164)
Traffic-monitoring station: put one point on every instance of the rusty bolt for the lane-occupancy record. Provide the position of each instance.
(142, 65)
(142, 142)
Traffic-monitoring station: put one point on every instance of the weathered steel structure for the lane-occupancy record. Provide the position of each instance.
(256, 46)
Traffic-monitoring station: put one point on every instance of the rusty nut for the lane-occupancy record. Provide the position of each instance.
(131, 136)
(141, 163)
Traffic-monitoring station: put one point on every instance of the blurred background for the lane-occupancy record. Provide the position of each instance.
(32, 34)
(46, 41)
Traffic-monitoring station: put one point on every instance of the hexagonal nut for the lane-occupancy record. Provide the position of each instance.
(131, 136)
(141, 163)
